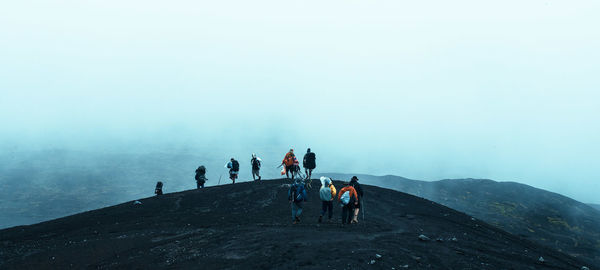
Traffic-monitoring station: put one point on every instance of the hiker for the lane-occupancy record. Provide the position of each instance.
(297, 195)
(255, 161)
(309, 163)
(200, 177)
(348, 199)
(290, 162)
(234, 169)
(359, 191)
(327, 194)
(158, 189)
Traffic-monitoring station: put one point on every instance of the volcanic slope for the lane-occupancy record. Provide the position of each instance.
(545, 217)
(248, 226)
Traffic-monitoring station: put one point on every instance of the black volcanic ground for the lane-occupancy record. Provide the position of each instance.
(545, 217)
(248, 226)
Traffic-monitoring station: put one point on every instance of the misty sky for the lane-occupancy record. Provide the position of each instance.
(507, 90)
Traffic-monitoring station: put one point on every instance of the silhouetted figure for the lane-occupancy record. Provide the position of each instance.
(309, 163)
(234, 169)
(200, 177)
(359, 191)
(256, 163)
(158, 189)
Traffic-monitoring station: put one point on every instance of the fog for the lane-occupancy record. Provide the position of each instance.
(430, 90)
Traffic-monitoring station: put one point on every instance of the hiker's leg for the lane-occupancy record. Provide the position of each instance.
(330, 208)
(323, 208)
(299, 210)
(344, 212)
(293, 211)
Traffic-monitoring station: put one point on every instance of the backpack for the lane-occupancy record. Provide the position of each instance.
(309, 161)
(235, 165)
(298, 193)
(345, 198)
(333, 191)
(255, 164)
(289, 159)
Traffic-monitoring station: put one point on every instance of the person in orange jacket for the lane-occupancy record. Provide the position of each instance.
(348, 198)
(290, 162)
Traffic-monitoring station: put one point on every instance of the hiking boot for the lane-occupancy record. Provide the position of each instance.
(259, 178)
(297, 220)
(320, 219)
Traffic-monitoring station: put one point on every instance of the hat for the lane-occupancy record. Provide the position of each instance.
(308, 150)
(354, 178)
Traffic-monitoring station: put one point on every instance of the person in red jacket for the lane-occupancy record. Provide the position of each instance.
(348, 198)
(290, 162)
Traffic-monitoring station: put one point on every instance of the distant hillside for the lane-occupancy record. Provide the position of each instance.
(595, 206)
(545, 217)
(43, 185)
(248, 226)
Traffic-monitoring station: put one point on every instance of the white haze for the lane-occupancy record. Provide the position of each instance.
(422, 89)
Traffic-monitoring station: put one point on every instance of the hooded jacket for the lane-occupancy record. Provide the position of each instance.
(327, 191)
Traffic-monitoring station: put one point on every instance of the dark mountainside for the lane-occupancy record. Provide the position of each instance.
(248, 226)
(49, 184)
(595, 206)
(545, 217)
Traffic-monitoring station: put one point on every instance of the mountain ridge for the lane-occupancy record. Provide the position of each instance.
(546, 217)
(248, 226)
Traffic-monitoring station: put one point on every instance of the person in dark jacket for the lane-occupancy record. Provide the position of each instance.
(200, 177)
(297, 195)
(158, 190)
(309, 163)
(234, 169)
(354, 183)
(255, 161)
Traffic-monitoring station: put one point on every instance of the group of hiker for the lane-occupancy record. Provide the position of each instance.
(290, 166)
(350, 198)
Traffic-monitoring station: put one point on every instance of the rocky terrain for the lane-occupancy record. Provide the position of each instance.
(541, 216)
(248, 226)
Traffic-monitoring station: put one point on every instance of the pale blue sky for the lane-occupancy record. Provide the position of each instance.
(423, 89)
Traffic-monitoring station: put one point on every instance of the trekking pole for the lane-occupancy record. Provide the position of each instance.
(220, 179)
(363, 209)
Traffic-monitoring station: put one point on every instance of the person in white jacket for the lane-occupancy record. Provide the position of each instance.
(327, 194)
